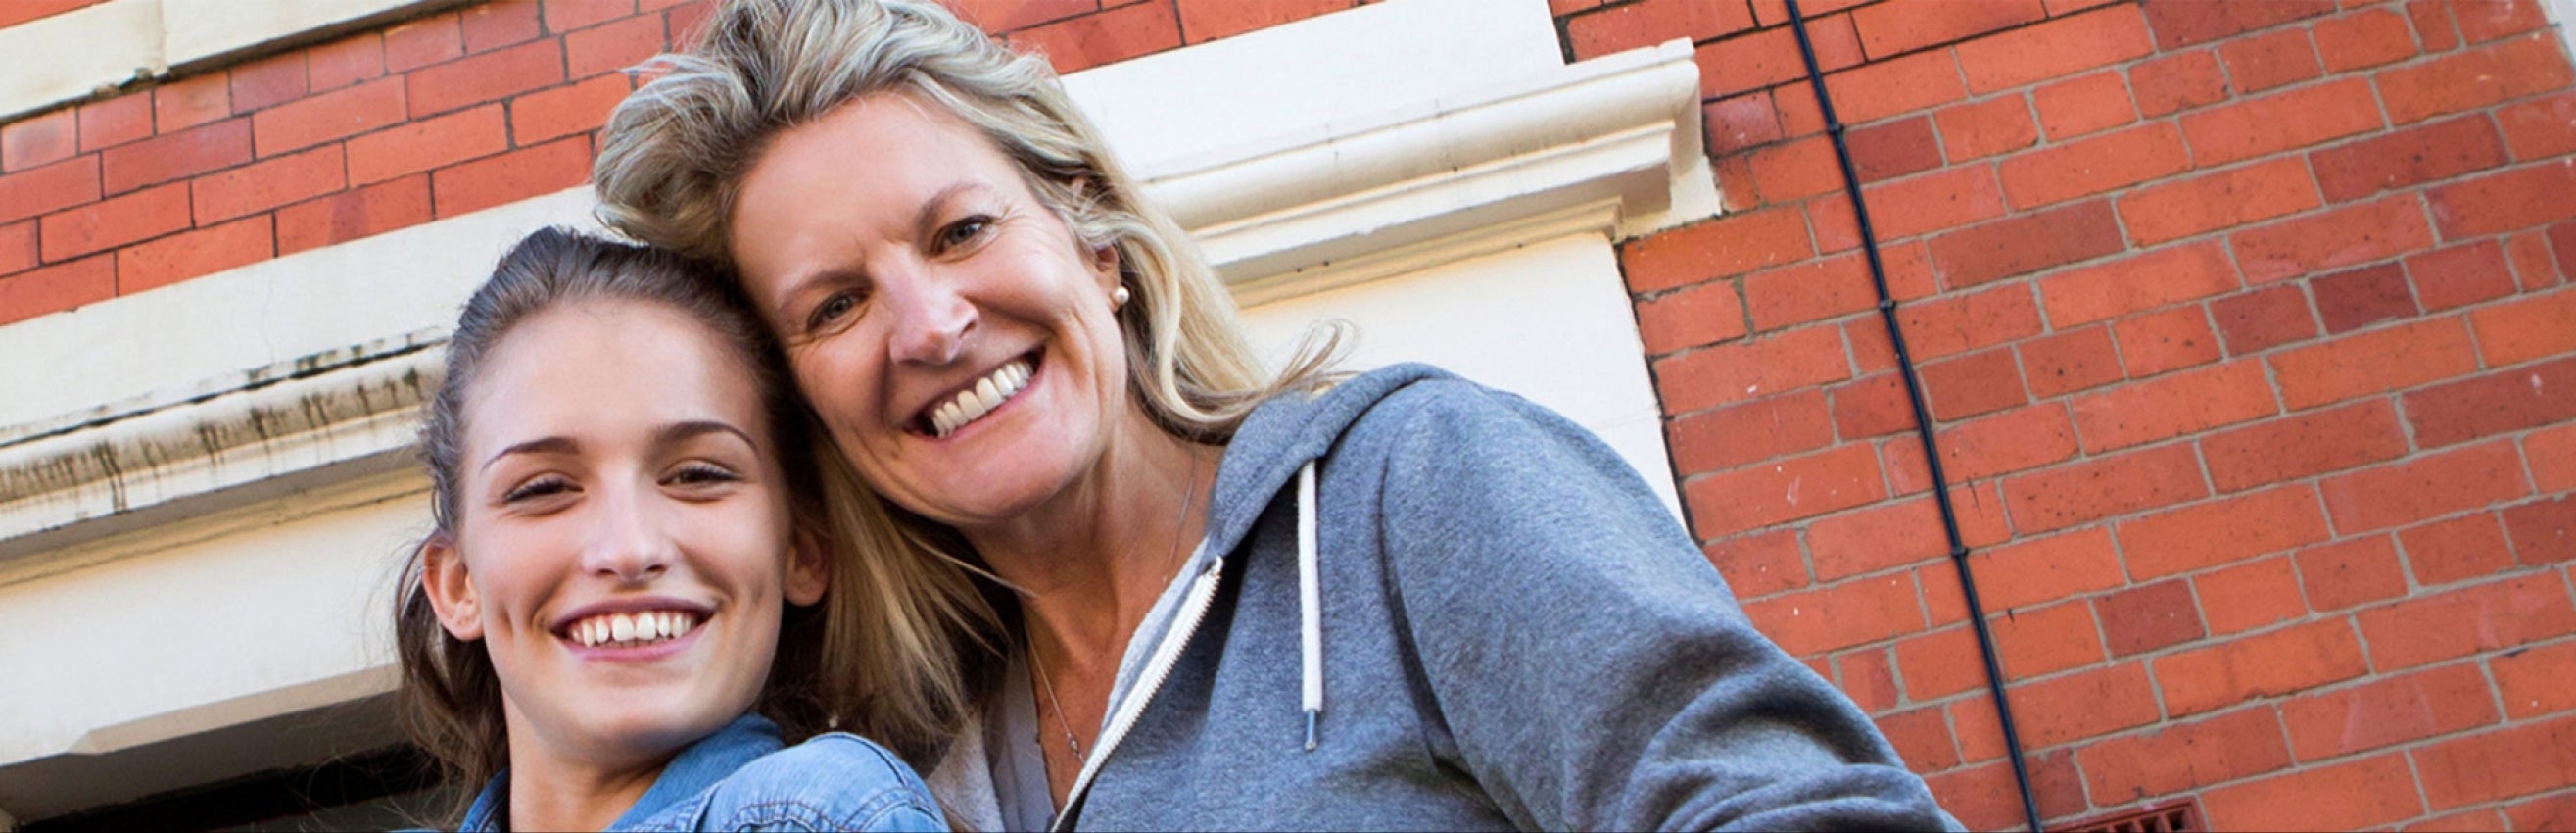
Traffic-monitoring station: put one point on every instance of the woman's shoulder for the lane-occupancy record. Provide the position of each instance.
(832, 781)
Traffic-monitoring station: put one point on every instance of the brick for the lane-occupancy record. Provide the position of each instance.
(2103, 487)
(2428, 486)
(113, 222)
(2475, 78)
(2447, 551)
(2263, 665)
(1956, 323)
(1744, 370)
(327, 117)
(2173, 406)
(2182, 756)
(2016, 440)
(2429, 628)
(2533, 681)
(2070, 362)
(2252, 322)
(1206, 20)
(205, 251)
(1741, 122)
(1875, 406)
(1922, 738)
(2179, 23)
(2356, 298)
(268, 183)
(2485, 21)
(56, 288)
(1932, 202)
(1734, 175)
(1979, 129)
(2344, 796)
(2036, 642)
(18, 247)
(2504, 201)
(2432, 22)
(426, 144)
(567, 15)
(2373, 362)
(1839, 616)
(2027, 243)
(1801, 168)
(2460, 275)
(1866, 677)
(26, 10)
(27, 193)
(175, 155)
(2495, 403)
(2350, 573)
(2297, 118)
(510, 177)
(1900, 533)
(115, 121)
(345, 61)
(1693, 316)
(1973, 384)
(1634, 25)
(2220, 200)
(689, 18)
(2054, 49)
(42, 140)
(484, 78)
(2341, 237)
(2543, 531)
(2364, 39)
(1939, 664)
(1107, 37)
(2142, 619)
(2220, 532)
(2084, 704)
(1893, 149)
(1901, 26)
(617, 46)
(2388, 711)
(2084, 104)
(2269, 60)
(2146, 281)
(2254, 594)
(2166, 340)
(1885, 88)
(2304, 445)
(2531, 258)
(352, 214)
(1724, 247)
(1785, 490)
(2094, 165)
(2554, 812)
(493, 25)
(1806, 292)
(1987, 798)
(2552, 453)
(2540, 127)
(1724, 438)
(418, 43)
(267, 82)
(2562, 239)
(2174, 83)
(1760, 565)
(2513, 761)
(188, 102)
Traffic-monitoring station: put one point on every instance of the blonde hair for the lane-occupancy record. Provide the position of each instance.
(670, 167)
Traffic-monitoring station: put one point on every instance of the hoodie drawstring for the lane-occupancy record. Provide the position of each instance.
(1309, 603)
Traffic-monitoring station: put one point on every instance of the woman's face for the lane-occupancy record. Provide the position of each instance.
(624, 545)
(957, 341)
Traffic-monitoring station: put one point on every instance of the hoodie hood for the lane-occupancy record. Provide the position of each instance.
(1285, 434)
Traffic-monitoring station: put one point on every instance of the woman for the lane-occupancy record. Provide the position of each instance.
(1233, 601)
(593, 629)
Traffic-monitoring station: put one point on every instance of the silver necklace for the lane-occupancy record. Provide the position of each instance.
(1189, 500)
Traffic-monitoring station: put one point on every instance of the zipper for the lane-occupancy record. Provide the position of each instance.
(1158, 668)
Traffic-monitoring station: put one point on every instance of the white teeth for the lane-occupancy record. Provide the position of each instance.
(974, 402)
(631, 628)
(621, 627)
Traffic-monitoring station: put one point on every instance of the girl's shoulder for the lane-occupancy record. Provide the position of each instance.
(833, 781)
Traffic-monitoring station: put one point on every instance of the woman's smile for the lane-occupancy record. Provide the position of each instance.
(971, 403)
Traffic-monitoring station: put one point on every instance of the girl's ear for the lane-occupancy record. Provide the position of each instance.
(809, 569)
(451, 588)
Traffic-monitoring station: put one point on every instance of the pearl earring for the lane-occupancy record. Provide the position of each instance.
(1118, 297)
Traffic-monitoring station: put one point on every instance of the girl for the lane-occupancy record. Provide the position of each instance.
(612, 624)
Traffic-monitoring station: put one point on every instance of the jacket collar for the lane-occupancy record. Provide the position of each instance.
(695, 769)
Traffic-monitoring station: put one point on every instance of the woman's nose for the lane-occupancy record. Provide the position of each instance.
(930, 318)
(628, 541)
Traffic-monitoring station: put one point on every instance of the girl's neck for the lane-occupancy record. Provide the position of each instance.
(553, 791)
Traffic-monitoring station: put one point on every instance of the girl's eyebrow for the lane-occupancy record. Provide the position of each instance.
(546, 445)
(680, 431)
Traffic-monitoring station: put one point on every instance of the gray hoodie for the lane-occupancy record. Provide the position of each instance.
(1486, 621)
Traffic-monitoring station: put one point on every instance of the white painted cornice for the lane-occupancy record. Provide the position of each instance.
(97, 50)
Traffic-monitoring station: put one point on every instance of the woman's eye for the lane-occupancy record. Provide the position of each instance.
(538, 488)
(964, 232)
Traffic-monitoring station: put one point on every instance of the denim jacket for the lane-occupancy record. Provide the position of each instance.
(744, 777)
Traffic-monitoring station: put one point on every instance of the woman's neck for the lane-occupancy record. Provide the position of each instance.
(554, 791)
(1093, 561)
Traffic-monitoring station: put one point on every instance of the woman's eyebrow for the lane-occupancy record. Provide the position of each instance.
(547, 445)
(926, 222)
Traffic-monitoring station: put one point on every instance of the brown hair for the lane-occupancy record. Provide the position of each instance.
(450, 696)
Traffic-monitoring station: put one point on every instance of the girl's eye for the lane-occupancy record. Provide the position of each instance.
(702, 474)
(964, 231)
(538, 488)
(832, 309)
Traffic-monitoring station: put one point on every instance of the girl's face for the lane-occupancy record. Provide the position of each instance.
(957, 341)
(623, 548)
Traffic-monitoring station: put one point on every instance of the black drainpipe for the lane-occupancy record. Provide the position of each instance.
(1922, 422)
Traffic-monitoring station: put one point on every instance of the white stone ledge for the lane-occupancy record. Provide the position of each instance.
(95, 50)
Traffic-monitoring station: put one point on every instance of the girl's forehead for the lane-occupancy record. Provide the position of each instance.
(609, 370)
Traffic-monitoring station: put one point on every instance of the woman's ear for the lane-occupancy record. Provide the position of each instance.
(451, 588)
(809, 569)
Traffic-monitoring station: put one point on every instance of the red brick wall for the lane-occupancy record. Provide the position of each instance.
(2246, 329)
(2245, 325)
